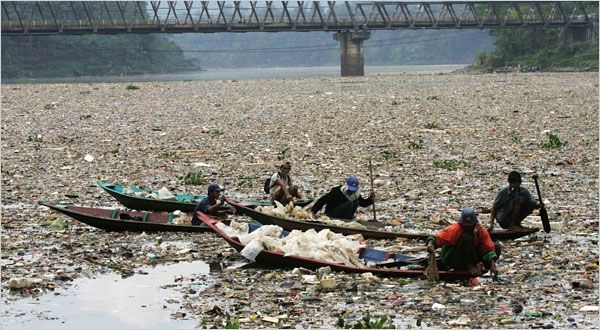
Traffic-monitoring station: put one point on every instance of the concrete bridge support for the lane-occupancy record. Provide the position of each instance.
(351, 52)
(578, 34)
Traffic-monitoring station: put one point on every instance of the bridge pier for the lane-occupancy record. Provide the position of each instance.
(351, 52)
(578, 34)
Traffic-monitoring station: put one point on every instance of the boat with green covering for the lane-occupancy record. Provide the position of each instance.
(150, 200)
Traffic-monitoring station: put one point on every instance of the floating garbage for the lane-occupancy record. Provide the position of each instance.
(432, 152)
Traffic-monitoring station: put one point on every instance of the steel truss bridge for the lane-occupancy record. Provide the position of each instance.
(115, 17)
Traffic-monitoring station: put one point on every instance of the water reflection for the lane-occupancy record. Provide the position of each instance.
(110, 302)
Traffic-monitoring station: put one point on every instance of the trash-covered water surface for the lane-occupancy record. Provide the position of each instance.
(436, 142)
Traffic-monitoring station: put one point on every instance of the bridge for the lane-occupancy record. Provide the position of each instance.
(351, 22)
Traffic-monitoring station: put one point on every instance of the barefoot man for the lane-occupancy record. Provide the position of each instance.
(512, 204)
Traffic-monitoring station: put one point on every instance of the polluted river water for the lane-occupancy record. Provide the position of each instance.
(108, 301)
(438, 142)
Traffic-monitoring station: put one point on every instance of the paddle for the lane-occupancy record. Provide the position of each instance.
(371, 175)
(543, 212)
(431, 272)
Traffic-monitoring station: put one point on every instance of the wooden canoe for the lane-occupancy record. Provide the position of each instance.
(381, 263)
(373, 233)
(183, 202)
(122, 220)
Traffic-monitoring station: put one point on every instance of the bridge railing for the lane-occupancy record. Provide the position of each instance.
(36, 17)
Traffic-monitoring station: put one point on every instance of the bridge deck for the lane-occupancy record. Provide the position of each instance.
(114, 17)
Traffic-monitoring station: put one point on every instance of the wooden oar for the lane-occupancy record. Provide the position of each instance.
(543, 212)
(431, 272)
(371, 175)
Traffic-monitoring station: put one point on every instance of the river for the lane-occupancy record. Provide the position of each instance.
(245, 73)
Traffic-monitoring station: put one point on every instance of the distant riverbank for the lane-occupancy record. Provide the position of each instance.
(243, 73)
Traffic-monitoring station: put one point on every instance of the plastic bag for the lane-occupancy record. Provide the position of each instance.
(252, 249)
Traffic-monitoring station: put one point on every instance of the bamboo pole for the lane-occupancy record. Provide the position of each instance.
(372, 190)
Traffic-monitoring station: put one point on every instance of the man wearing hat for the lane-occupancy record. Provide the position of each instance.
(466, 245)
(512, 204)
(342, 201)
(211, 204)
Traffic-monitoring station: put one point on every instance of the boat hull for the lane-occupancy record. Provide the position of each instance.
(290, 224)
(278, 259)
(183, 202)
(108, 219)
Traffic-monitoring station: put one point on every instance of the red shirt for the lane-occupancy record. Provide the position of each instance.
(450, 235)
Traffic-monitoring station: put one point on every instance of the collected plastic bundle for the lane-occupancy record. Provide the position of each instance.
(165, 194)
(323, 245)
(269, 230)
(290, 211)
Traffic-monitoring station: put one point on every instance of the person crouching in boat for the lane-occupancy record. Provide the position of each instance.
(211, 204)
(342, 201)
(466, 245)
(512, 205)
(281, 187)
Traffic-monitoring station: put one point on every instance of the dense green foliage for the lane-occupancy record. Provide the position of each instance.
(546, 48)
(63, 56)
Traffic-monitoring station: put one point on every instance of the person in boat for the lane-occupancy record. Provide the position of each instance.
(281, 186)
(342, 201)
(211, 204)
(512, 204)
(466, 245)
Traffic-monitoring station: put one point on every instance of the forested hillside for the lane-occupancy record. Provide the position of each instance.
(541, 47)
(67, 56)
(546, 48)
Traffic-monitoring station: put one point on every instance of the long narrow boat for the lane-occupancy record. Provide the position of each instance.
(121, 220)
(381, 263)
(133, 198)
(291, 224)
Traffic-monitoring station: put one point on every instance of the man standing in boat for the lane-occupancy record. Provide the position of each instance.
(281, 187)
(211, 204)
(466, 245)
(513, 204)
(341, 202)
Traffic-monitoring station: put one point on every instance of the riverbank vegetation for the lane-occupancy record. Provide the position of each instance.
(540, 48)
(90, 55)
(546, 48)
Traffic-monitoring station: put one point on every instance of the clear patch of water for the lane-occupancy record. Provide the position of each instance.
(109, 301)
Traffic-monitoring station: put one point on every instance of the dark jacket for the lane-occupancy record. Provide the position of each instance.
(334, 198)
